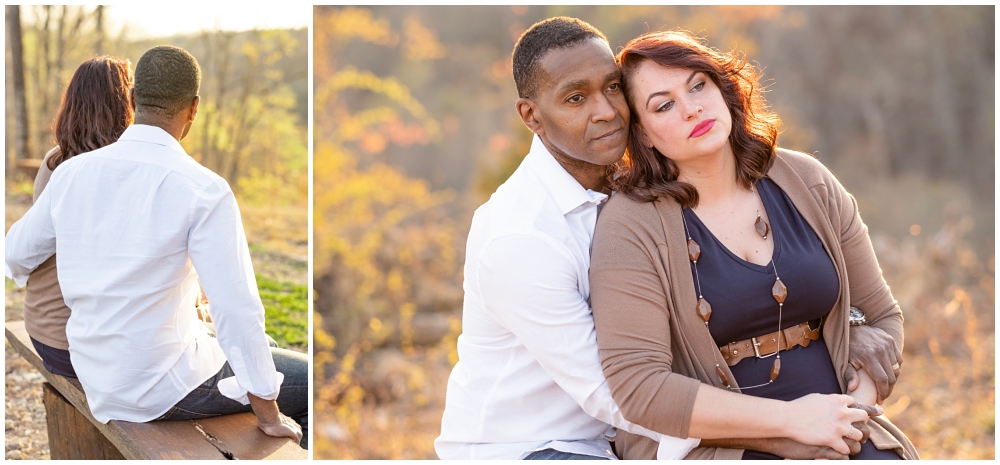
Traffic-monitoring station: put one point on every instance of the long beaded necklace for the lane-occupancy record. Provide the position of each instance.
(704, 310)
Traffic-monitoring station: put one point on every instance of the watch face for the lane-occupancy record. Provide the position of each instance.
(857, 316)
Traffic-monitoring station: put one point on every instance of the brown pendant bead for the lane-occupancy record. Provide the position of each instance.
(722, 376)
(703, 309)
(775, 369)
(694, 250)
(761, 226)
(779, 291)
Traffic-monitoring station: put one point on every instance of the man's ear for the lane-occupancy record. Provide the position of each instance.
(526, 109)
(194, 108)
(131, 98)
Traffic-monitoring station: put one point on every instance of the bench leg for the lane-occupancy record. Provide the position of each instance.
(71, 434)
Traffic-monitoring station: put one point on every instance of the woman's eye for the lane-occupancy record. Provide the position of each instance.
(698, 86)
(665, 106)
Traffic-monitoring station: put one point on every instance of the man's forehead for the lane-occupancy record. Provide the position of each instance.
(577, 65)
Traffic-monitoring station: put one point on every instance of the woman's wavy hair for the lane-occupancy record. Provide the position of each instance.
(95, 109)
(644, 174)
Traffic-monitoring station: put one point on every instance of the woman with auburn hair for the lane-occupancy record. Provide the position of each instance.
(95, 111)
(724, 270)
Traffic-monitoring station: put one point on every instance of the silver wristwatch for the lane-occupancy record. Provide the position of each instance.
(857, 317)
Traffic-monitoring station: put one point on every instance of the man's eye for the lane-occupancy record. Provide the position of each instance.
(575, 98)
(615, 87)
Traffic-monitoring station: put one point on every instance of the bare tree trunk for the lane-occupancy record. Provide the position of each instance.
(217, 45)
(99, 29)
(45, 81)
(21, 143)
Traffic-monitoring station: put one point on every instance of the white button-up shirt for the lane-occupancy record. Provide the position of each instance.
(529, 375)
(130, 223)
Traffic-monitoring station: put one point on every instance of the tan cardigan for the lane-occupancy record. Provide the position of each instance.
(45, 312)
(655, 349)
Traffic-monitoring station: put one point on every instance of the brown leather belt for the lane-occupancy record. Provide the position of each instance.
(767, 345)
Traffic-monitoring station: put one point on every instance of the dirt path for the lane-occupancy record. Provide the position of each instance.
(24, 414)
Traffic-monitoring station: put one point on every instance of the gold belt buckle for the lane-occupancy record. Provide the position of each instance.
(756, 349)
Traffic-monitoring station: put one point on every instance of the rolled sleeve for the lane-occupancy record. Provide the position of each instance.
(218, 249)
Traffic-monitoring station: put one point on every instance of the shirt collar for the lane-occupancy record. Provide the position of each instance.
(565, 190)
(152, 135)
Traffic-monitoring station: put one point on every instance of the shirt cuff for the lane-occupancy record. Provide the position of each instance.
(19, 280)
(672, 448)
(231, 388)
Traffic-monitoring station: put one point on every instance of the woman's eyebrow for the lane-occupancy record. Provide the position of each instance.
(664, 92)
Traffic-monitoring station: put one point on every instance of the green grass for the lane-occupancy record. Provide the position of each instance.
(285, 312)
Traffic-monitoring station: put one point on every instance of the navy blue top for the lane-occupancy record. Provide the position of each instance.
(743, 307)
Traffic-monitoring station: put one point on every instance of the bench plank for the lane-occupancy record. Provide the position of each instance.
(164, 440)
(30, 163)
(71, 435)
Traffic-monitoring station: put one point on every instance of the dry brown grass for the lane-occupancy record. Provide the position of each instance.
(944, 399)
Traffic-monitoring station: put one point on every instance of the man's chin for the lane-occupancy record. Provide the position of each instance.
(610, 157)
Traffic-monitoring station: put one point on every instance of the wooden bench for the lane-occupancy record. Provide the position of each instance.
(29, 166)
(75, 434)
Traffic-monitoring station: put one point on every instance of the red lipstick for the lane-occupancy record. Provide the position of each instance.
(702, 128)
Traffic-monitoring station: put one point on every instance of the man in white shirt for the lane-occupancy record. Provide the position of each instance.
(131, 223)
(529, 382)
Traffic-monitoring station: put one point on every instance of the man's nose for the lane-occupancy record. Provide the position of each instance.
(605, 111)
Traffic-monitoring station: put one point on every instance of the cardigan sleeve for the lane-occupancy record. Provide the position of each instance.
(43, 175)
(633, 322)
(868, 289)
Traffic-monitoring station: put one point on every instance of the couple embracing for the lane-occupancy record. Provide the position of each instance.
(659, 280)
(124, 227)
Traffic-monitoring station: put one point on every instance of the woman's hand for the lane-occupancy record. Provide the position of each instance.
(825, 420)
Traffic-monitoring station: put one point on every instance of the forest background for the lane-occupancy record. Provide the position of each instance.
(251, 129)
(415, 127)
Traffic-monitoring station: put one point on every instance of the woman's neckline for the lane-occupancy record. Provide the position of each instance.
(765, 268)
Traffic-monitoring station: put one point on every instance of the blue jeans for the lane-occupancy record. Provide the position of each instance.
(293, 398)
(552, 454)
(55, 360)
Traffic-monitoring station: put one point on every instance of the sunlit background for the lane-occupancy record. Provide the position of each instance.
(415, 127)
(251, 129)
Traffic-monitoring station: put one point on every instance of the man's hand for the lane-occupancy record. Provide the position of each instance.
(284, 427)
(873, 411)
(876, 352)
(272, 422)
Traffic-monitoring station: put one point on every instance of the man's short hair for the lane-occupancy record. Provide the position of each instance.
(539, 39)
(167, 78)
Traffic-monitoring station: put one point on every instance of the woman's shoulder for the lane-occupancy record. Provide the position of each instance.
(51, 153)
(621, 207)
(804, 166)
(624, 216)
